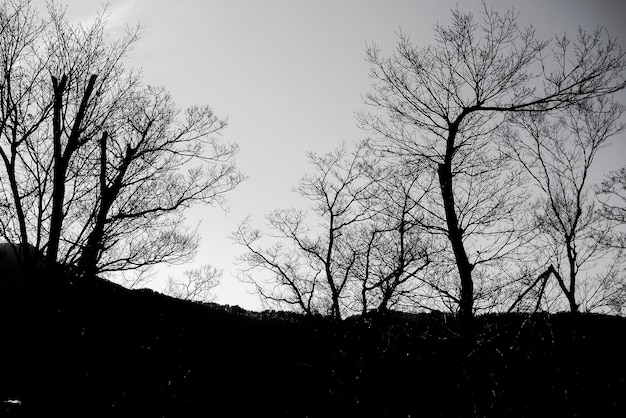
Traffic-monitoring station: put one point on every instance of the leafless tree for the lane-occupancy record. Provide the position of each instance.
(142, 188)
(99, 168)
(442, 104)
(196, 284)
(24, 109)
(312, 265)
(393, 251)
(612, 195)
(53, 107)
(89, 82)
(558, 151)
(282, 277)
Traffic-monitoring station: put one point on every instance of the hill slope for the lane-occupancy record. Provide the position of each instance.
(88, 348)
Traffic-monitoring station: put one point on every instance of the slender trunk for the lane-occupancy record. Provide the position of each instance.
(455, 236)
(392, 281)
(335, 311)
(56, 217)
(382, 306)
(365, 288)
(542, 277)
(573, 306)
(571, 295)
(19, 211)
(90, 254)
(9, 164)
(88, 260)
(364, 299)
(58, 181)
(25, 246)
(455, 233)
(62, 158)
(569, 291)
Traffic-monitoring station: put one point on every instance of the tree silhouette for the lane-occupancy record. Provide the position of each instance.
(442, 103)
(612, 194)
(558, 152)
(313, 267)
(395, 254)
(97, 167)
(196, 284)
(360, 245)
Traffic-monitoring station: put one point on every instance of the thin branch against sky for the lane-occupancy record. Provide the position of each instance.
(289, 77)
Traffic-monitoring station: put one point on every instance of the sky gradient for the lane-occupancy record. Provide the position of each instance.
(289, 76)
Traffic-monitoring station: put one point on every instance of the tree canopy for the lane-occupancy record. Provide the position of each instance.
(98, 167)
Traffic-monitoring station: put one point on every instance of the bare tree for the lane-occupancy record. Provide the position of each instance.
(292, 281)
(24, 109)
(196, 284)
(143, 188)
(394, 253)
(367, 239)
(53, 106)
(312, 266)
(88, 83)
(612, 196)
(99, 168)
(558, 151)
(444, 101)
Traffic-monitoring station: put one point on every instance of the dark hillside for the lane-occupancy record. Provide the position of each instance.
(91, 348)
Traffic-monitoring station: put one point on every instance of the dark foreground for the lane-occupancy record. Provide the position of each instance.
(95, 349)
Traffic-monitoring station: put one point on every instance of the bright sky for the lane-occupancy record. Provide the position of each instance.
(289, 76)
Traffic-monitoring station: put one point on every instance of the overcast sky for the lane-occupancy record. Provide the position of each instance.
(289, 76)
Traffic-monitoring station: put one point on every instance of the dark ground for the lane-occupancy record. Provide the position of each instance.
(91, 348)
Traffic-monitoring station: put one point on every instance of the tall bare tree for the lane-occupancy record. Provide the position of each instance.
(359, 247)
(443, 101)
(612, 195)
(312, 265)
(89, 81)
(394, 253)
(558, 152)
(97, 167)
(143, 187)
(24, 110)
(282, 277)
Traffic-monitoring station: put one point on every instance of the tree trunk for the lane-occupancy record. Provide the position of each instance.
(455, 233)
(21, 218)
(571, 295)
(62, 158)
(58, 194)
(336, 312)
(383, 305)
(88, 260)
(90, 253)
(364, 299)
